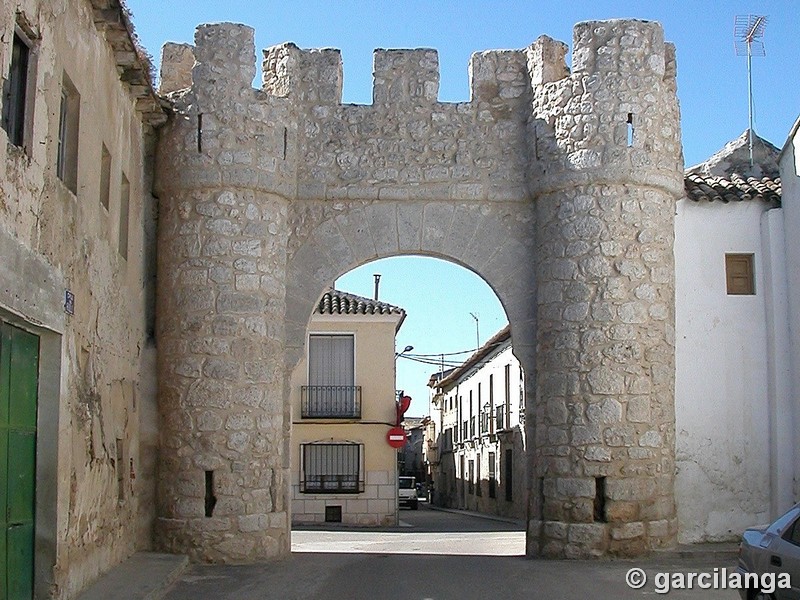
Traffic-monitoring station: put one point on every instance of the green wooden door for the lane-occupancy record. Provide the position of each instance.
(19, 376)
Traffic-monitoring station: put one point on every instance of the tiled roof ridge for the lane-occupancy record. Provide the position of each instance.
(734, 188)
(337, 302)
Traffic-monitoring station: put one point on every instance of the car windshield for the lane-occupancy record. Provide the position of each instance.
(406, 483)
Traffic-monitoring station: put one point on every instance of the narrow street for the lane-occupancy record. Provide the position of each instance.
(432, 555)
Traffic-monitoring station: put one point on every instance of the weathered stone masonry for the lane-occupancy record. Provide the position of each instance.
(556, 188)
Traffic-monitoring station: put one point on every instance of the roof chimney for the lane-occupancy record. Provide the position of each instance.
(377, 277)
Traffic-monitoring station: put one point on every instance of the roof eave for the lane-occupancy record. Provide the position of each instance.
(789, 139)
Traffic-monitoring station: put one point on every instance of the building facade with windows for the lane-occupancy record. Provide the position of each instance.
(343, 404)
(481, 463)
(78, 420)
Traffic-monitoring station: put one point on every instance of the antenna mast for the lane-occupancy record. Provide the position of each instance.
(748, 33)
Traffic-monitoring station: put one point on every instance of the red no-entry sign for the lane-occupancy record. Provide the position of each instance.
(396, 437)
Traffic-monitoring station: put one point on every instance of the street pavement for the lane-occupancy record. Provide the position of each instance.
(432, 555)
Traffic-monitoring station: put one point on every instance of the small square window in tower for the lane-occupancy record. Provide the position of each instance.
(740, 275)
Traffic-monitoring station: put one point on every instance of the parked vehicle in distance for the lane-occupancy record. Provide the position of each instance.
(768, 552)
(407, 492)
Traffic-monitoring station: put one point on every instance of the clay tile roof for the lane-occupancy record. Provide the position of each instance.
(733, 189)
(336, 302)
(733, 174)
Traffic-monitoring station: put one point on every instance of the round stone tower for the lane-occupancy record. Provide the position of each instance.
(222, 258)
(605, 172)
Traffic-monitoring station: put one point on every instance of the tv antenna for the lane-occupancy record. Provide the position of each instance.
(477, 330)
(748, 33)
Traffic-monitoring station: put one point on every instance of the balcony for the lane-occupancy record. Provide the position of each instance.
(330, 402)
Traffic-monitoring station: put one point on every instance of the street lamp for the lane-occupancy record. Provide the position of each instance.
(406, 349)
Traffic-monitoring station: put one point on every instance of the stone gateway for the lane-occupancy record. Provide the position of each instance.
(556, 186)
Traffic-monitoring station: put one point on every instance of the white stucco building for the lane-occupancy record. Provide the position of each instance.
(733, 392)
(481, 440)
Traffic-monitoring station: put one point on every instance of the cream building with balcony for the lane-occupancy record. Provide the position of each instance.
(343, 403)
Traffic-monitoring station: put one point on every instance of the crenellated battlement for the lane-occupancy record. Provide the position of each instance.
(223, 54)
(530, 125)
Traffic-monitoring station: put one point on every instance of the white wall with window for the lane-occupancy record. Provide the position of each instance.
(731, 336)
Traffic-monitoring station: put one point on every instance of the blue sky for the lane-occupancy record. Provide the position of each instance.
(712, 88)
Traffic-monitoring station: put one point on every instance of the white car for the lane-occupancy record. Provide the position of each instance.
(407, 492)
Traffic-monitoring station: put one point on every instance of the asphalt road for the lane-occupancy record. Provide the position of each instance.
(422, 531)
(433, 555)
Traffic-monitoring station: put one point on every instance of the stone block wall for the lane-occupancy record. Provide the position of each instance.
(606, 170)
(556, 188)
(374, 507)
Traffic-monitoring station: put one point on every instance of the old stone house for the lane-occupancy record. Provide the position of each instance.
(343, 401)
(78, 433)
(557, 186)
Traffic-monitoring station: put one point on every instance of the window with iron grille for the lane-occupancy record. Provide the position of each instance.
(480, 412)
(331, 392)
(332, 468)
(491, 403)
(507, 373)
(471, 480)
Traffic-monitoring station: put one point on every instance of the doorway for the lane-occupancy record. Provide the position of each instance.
(19, 382)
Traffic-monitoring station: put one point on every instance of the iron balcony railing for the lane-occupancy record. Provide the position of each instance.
(331, 402)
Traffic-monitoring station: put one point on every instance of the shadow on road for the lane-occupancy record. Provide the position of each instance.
(426, 577)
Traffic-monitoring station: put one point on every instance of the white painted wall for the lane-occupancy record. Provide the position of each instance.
(491, 369)
(790, 184)
(722, 374)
